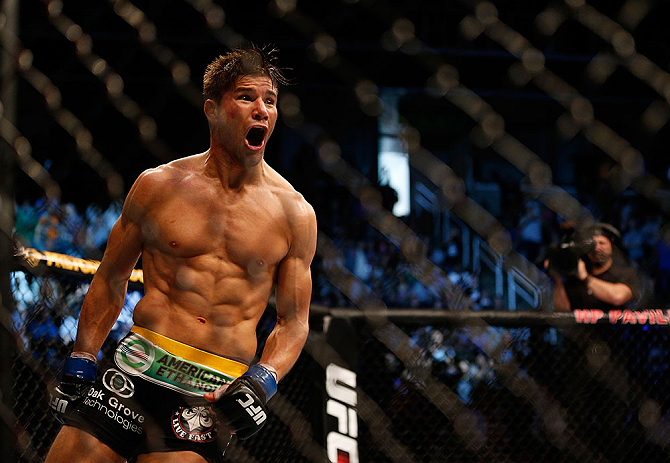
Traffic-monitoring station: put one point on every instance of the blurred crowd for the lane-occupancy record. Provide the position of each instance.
(46, 308)
(45, 316)
(49, 225)
(378, 263)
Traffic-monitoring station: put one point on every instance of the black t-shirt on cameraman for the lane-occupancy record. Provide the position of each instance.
(580, 298)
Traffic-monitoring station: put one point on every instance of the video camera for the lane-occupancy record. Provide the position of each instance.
(563, 258)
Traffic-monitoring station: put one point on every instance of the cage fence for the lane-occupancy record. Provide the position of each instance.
(430, 386)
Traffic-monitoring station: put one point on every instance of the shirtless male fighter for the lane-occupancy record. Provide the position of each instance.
(217, 232)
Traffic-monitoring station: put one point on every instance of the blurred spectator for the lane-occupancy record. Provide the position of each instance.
(663, 277)
(633, 240)
(530, 232)
(361, 267)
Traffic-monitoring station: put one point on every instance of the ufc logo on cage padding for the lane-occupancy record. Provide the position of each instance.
(256, 413)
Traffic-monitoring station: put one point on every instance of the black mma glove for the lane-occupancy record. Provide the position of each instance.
(78, 376)
(241, 407)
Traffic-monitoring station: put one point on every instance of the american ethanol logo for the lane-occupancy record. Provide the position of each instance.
(135, 355)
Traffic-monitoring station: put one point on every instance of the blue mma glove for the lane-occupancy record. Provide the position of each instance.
(78, 376)
(242, 405)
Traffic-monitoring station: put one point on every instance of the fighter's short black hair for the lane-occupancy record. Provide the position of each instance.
(224, 71)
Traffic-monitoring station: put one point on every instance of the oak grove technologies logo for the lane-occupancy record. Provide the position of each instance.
(118, 383)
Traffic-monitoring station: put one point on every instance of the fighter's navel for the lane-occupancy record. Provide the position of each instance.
(173, 244)
(201, 320)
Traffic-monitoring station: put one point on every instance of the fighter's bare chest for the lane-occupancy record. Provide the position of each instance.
(239, 233)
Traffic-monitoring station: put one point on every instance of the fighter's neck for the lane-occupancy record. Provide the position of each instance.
(230, 174)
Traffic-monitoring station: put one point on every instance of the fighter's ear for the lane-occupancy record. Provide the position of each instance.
(211, 109)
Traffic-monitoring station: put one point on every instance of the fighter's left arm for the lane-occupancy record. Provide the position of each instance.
(293, 293)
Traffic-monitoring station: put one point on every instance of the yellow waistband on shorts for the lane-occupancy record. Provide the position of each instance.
(193, 354)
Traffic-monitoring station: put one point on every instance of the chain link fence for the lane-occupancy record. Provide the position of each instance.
(528, 92)
(429, 390)
(554, 404)
(44, 322)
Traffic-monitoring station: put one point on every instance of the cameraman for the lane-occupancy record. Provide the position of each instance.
(599, 283)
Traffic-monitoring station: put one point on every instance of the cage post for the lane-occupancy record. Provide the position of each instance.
(10, 13)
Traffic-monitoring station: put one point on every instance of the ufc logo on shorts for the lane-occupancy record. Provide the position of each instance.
(256, 413)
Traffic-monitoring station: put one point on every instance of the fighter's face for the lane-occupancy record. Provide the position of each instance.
(245, 118)
(602, 252)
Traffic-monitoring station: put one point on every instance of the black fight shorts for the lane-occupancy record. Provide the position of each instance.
(149, 399)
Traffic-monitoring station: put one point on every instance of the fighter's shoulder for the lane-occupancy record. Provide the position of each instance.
(154, 186)
(293, 202)
(155, 180)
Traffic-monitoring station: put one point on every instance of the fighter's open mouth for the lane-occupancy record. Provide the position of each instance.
(255, 136)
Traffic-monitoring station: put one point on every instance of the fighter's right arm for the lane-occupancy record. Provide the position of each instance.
(106, 295)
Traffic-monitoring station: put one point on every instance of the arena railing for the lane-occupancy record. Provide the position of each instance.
(377, 384)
